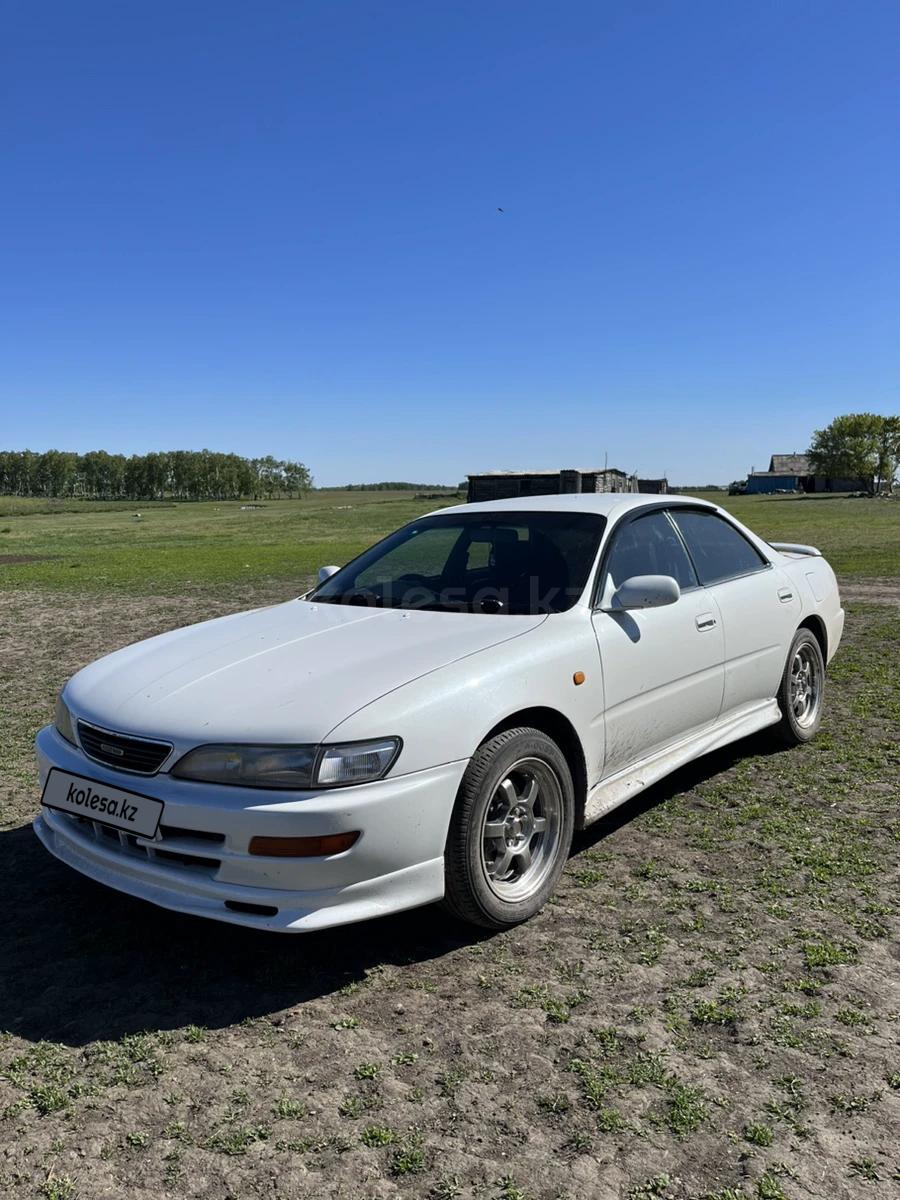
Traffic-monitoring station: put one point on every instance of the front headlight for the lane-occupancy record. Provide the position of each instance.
(62, 720)
(293, 767)
(250, 766)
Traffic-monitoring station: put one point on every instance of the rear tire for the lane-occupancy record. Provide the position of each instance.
(802, 691)
(511, 830)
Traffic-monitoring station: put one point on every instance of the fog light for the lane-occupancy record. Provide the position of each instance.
(303, 847)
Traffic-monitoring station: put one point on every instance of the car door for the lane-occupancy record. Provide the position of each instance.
(662, 667)
(758, 602)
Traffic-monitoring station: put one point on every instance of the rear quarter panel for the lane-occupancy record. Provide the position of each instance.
(814, 580)
(818, 588)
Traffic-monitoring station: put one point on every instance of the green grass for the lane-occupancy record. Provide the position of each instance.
(758, 1134)
(286, 1108)
(58, 1187)
(367, 1071)
(409, 1157)
(165, 547)
(169, 547)
(378, 1135)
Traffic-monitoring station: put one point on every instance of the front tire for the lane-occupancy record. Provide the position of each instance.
(511, 830)
(802, 691)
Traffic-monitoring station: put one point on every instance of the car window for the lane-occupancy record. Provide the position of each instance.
(649, 546)
(503, 562)
(424, 554)
(719, 551)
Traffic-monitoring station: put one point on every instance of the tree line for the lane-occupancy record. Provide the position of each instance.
(397, 486)
(160, 475)
(858, 446)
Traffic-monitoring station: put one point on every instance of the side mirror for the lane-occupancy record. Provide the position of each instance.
(645, 591)
(327, 572)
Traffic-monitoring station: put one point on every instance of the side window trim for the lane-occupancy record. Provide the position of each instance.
(764, 564)
(687, 549)
(599, 582)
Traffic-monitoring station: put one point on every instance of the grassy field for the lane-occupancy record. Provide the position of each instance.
(158, 547)
(709, 1009)
(155, 548)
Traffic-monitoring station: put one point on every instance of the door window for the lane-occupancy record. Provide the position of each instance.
(719, 551)
(649, 546)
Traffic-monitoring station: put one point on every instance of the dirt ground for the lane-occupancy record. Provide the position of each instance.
(872, 591)
(709, 1008)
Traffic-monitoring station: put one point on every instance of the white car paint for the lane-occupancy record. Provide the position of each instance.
(291, 673)
(677, 687)
(662, 686)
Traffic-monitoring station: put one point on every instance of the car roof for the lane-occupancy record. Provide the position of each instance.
(606, 504)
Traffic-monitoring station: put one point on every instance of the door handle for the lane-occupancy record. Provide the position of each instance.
(785, 594)
(705, 620)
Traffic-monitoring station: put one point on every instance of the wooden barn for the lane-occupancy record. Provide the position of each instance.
(506, 485)
(653, 487)
(786, 473)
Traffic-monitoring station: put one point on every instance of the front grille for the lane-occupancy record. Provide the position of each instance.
(117, 750)
(177, 853)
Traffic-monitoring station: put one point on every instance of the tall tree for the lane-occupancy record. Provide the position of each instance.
(889, 452)
(183, 474)
(848, 448)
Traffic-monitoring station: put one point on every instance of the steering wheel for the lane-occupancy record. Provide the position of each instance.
(362, 596)
(418, 585)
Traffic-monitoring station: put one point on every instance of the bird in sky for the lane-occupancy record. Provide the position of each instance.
(499, 210)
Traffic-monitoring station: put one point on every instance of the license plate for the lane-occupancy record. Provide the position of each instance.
(99, 802)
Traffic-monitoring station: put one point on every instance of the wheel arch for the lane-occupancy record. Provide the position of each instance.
(558, 727)
(816, 627)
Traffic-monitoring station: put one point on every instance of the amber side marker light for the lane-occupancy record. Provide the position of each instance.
(303, 847)
(578, 678)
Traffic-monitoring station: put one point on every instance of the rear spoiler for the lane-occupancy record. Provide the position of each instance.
(795, 548)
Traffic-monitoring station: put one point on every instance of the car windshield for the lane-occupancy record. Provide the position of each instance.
(509, 562)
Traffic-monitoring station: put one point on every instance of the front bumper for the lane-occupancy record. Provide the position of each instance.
(198, 863)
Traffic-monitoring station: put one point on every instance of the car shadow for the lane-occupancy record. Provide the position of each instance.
(84, 963)
(81, 962)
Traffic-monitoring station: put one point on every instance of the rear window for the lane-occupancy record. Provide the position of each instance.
(719, 551)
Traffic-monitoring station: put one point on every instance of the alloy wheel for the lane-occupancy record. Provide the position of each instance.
(805, 685)
(521, 830)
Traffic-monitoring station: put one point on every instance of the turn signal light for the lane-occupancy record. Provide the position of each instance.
(303, 847)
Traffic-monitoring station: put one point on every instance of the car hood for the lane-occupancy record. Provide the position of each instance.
(285, 674)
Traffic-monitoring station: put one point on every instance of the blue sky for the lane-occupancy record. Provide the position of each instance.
(273, 228)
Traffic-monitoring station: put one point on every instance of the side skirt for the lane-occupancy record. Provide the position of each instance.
(610, 793)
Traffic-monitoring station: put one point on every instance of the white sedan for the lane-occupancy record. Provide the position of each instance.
(434, 719)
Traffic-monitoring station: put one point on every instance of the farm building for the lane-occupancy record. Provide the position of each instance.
(653, 487)
(786, 473)
(505, 485)
(793, 473)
